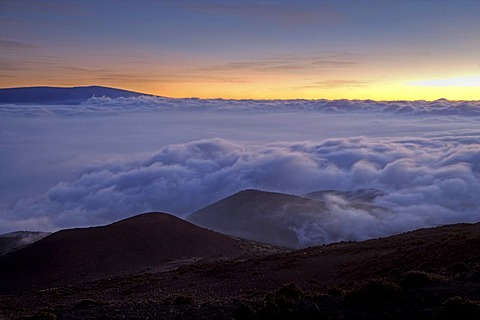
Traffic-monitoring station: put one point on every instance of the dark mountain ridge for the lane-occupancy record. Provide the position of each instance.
(61, 95)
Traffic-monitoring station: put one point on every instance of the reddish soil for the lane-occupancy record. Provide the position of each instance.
(143, 243)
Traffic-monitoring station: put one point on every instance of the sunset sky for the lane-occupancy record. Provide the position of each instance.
(375, 49)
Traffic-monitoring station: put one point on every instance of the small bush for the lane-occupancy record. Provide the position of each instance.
(415, 279)
(242, 311)
(460, 308)
(372, 291)
(288, 295)
(87, 303)
(290, 290)
(40, 316)
(459, 267)
(335, 292)
(181, 300)
(284, 298)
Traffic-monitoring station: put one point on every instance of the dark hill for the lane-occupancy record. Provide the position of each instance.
(16, 240)
(257, 215)
(146, 241)
(60, 95)
(274, 218)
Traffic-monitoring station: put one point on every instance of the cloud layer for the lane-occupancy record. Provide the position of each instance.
(426, 182)
(69, 166)
(103, 105)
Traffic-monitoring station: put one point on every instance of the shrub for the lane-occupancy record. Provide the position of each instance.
(335, 292)
(372, 291)
(284, 298)
(87, 303)
(459, 267)
(181, 300)
(242, 311)
(414, 279)
(40, 316)
(460, 308)
(290, 290)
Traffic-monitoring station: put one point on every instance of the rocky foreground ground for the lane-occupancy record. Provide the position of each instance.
(424, 274)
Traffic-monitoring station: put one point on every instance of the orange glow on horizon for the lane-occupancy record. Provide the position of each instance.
(385, 92)
(280, 88)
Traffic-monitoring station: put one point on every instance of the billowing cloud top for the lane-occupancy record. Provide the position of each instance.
(104, 105)
(106, 159)
(425, 182)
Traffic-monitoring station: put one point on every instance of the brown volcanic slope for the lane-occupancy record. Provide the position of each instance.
(267, 217)
(143, 242)
(419, 272)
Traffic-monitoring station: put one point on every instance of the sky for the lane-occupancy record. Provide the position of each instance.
(264, 49)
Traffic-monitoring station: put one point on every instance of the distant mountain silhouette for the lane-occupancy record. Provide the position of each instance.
(146, 241)
(60, 95)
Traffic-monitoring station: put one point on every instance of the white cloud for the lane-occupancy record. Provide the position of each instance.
(109, 106)
(69, 166)
(426, 182)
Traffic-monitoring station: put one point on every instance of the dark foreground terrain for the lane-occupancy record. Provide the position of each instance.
(147, 242)
(425, 274)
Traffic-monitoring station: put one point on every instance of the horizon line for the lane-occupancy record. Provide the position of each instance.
(237, 99)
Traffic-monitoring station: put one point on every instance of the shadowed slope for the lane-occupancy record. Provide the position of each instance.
(130, 245)
(424, 268)
(59, 95)
(276, 218)
(257, 215)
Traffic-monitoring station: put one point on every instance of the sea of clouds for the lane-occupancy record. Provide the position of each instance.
(105, 105)
(90, 164)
